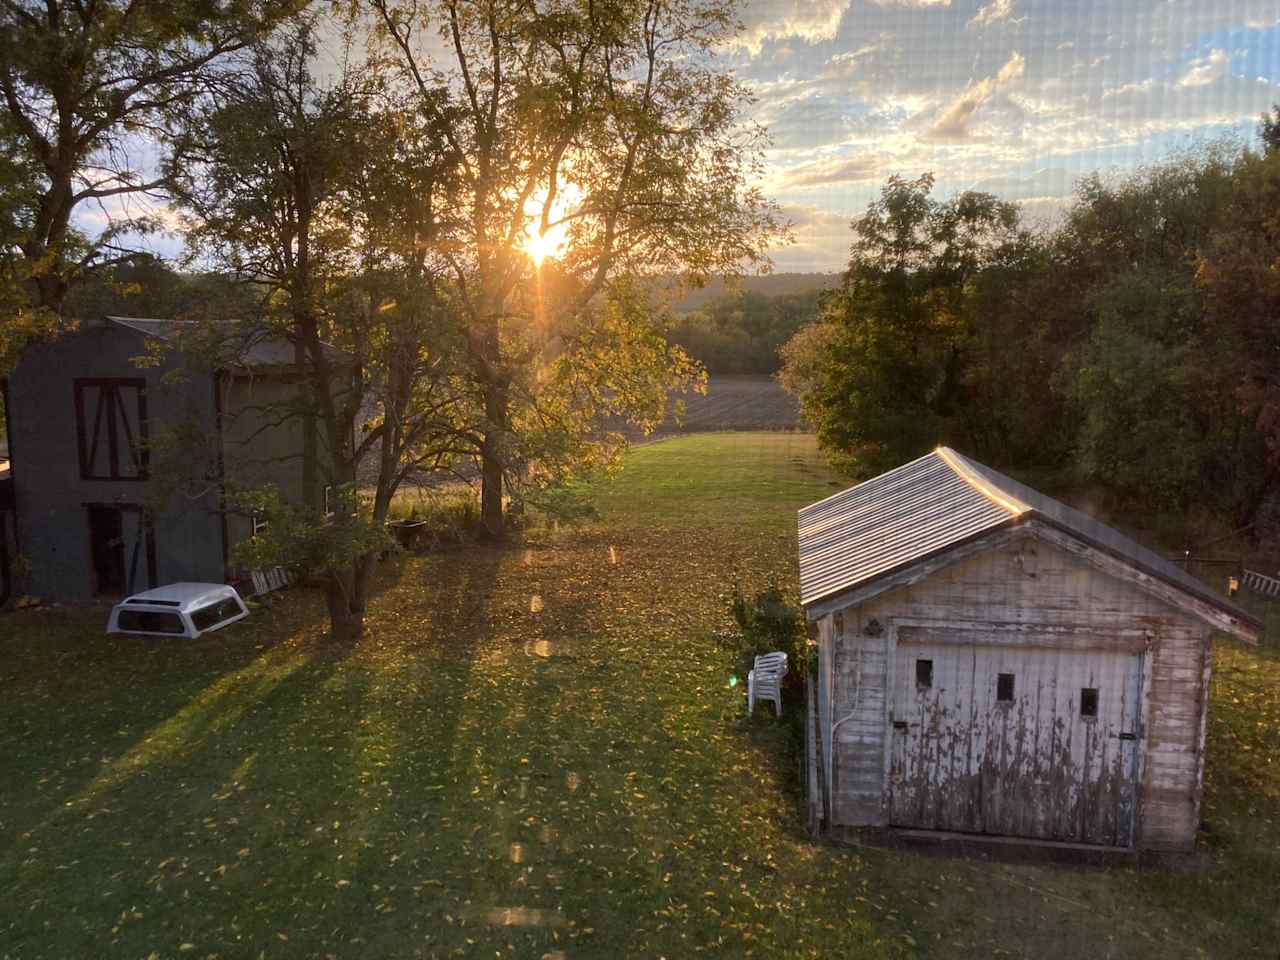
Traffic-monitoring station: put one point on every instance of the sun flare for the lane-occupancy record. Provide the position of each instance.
(539, 246)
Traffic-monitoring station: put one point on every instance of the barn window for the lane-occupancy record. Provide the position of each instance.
(1088, 701)
(111, 425)
(924, 674)
(1004, 688)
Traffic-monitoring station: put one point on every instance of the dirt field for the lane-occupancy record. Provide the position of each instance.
(737, 403)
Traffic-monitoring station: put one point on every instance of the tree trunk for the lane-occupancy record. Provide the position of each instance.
(491, 473)
(493, 450)
(346, 615)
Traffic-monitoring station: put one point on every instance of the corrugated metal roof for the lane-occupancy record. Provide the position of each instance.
(244, 345)
(936, 502)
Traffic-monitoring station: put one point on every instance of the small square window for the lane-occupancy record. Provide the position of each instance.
(259, 523)
(924, 674)
(1004, 688)
(1088, 701)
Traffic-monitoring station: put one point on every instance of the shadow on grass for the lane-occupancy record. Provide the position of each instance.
(533, 751)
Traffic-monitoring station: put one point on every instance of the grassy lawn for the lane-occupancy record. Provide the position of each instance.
(535, 753)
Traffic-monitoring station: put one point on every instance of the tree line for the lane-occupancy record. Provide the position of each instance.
(1134, 349)
(742, 333)
(453, 209)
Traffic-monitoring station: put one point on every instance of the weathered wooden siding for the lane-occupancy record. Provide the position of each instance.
(1025, 594)
(1177, 698)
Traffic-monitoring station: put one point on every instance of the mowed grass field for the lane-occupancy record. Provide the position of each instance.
(536, 752)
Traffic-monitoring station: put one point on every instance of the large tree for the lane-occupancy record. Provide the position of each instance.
(1238, 276)
(909, 352)
(326, 198)
(1152, 375)
(83, 85)
(598, 142)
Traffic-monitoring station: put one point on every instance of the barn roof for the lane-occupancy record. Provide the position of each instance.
(246, 346)
(925, 507)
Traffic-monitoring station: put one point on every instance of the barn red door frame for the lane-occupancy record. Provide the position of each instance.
(111, 427)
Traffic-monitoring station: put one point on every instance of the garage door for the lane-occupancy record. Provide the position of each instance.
(1032, 741)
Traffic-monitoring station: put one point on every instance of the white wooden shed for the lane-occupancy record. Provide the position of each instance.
(991, 661)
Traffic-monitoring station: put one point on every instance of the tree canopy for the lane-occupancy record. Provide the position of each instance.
(88, 88)
(597, 143)
(1133, 349)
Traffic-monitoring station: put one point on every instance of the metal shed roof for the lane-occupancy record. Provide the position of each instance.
(243, 345)
(924, 507)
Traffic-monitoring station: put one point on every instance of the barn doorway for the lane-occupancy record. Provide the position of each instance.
(122, 549)
(1028, 741)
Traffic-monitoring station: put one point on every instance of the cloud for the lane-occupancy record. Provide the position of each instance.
(1146, 86)
(1205, 70)
(993, 11)
(953, 125)
(821, 238)
(808, 20)
(833, 170)
(914, 4)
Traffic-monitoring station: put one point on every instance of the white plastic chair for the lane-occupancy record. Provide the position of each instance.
(764, 682)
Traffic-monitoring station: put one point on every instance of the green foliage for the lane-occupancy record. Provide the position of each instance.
(565, 151)
(148, 287)
(79, 80)
(903, 360)
(1269, 130)
(768, 622)
(1132, 350)
(1152, 378)
(293, 538)
(743, 333)
(1237, 275)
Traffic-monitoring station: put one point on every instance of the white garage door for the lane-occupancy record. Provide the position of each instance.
(1033, 741)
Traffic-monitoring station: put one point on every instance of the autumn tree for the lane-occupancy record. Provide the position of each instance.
(1148, 371)
(598, 142)
(83, 86)
(1236, 273)
(326, 198)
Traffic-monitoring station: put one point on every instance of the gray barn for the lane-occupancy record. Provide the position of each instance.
(993, 662)
(86, 424)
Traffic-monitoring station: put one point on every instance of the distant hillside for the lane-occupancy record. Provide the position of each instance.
(770, 285)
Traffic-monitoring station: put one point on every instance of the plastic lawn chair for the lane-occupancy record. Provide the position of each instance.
(764, 682)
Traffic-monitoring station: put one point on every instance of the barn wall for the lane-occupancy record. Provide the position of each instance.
(1029, 583)
(49, 491)
(262, 441)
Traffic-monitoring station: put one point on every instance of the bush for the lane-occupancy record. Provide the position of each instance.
(440, 517)
(767, 623)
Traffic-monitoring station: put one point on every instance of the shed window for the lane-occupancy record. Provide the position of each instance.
(1088, 701)
(924, 674)
(1004, 688)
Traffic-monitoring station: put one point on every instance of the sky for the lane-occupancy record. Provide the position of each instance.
(1020, 98)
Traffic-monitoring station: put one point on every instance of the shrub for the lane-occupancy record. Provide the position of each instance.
(768, 622)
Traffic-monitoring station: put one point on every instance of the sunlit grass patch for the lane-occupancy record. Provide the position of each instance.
(535, 751)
